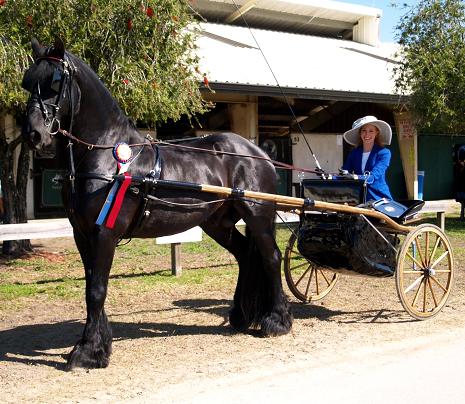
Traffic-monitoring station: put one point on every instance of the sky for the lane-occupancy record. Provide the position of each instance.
(390, 17)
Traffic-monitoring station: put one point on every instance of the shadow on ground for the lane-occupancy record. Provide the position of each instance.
(31, 344)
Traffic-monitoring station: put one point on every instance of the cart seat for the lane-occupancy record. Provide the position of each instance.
(400, 211)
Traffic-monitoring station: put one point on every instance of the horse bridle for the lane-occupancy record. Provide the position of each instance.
(61, 82)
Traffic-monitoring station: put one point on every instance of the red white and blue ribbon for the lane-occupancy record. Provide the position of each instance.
(107, 205)
(118, 201)
(122, 153)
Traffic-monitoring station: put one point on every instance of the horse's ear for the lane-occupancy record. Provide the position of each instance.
(37, 49)
(59, 48)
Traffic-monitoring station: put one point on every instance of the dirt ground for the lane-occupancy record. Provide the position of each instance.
(175, 345)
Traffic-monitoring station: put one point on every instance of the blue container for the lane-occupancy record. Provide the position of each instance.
(421, 178)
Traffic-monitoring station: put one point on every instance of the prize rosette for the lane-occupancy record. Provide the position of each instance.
(122, 152)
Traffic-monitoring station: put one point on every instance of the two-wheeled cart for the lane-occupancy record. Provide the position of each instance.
(372, 239)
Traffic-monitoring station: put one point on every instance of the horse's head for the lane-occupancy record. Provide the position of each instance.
(54, 94)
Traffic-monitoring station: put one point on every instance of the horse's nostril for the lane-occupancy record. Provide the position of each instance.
(35, 137)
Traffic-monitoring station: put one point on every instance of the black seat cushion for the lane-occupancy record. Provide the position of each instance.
(397, 210)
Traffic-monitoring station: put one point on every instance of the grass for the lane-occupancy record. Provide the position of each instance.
(62, 288)
(139, 267)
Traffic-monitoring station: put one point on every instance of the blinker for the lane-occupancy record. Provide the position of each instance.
(56, 80)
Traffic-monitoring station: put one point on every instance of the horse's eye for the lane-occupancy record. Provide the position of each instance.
(56, 80)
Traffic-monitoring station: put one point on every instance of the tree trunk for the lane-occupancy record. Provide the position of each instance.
(14, 188)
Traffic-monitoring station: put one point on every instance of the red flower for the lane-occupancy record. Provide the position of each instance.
(125, 81)
(129, 24)
(149, 12)
(29, 21)
(2, 2)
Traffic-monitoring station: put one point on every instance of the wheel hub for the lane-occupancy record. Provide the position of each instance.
(430, 271)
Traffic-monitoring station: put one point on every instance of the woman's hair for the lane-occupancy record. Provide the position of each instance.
(377, 141)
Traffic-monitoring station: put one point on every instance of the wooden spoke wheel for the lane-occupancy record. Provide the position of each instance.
(307, 281)
(425, 271)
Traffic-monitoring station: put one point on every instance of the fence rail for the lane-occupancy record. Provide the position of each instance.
(50, 228)
(34, 229)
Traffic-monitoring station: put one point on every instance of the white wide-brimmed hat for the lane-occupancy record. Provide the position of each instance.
(352, 136)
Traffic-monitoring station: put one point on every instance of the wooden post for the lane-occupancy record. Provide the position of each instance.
(244, 119)
(407, 137)
(441, 220)
(176, 267)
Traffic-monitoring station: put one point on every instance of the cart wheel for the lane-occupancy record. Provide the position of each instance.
(307, 281)
(425, 271)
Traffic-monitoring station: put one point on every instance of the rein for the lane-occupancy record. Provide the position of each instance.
(63, 79)
(279, 164)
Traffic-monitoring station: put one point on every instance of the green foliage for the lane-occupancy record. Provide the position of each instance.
(144, 51)
(13, 60)
(432, 64)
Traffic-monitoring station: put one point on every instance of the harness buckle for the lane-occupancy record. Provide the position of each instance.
(53, 121)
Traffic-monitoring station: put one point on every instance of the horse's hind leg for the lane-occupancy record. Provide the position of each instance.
(259, 298)
(236, 243)
(94, 348)
(262, 287)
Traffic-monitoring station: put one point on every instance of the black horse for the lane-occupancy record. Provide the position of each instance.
(66, 92)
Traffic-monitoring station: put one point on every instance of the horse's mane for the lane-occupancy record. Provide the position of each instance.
(85, 75)
(81, 67)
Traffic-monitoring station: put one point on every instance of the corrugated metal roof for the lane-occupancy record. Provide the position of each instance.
(321, 17)
(229, 54)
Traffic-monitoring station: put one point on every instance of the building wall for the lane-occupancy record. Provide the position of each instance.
(327, 148)
(435, 158)
(395, 173)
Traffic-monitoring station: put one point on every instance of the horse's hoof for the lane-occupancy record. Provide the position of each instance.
(237, 320)
(84, 356)
(276, 324)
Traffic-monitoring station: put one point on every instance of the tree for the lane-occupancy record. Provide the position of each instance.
(431, 65)
(144, 51)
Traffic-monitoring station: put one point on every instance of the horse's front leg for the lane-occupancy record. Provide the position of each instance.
(94, 348)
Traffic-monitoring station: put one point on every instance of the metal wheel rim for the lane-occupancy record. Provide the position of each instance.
(306, 281)
(425, 271)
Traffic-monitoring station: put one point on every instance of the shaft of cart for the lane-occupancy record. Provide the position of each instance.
(285, 201)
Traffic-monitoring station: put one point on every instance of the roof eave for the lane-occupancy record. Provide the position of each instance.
(310, 93)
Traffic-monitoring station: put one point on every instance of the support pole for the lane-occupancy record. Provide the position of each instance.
(176, 267)
(407, 137)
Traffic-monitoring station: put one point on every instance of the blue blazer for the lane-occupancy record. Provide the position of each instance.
(377, 164)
